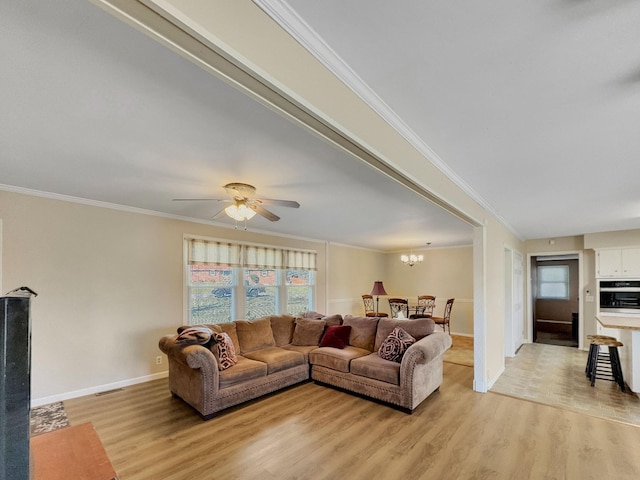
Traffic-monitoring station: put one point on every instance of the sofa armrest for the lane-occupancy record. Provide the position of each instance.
(194, 356)
(425, 350)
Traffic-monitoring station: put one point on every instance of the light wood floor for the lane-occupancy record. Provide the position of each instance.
(315, 432)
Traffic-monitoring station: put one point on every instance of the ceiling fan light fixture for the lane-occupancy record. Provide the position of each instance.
(239, 212)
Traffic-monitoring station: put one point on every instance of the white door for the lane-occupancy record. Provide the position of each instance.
(513, 304)
(518, 301)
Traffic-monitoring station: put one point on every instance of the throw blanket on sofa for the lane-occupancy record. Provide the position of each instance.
(194, 336)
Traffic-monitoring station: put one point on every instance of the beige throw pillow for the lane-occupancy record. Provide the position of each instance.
(307, 332)
(254, 334)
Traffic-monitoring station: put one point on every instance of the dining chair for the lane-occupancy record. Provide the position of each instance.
(398, 305)
(426, 304)
(369, 307)
(445, 319)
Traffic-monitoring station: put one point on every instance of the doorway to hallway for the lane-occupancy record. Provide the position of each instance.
(555, 299)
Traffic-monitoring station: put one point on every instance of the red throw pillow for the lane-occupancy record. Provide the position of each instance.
(336, 336)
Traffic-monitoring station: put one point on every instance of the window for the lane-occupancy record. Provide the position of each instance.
(299, 287)
(260, 293)
(553, 282)
(228, 281)
(211, 293)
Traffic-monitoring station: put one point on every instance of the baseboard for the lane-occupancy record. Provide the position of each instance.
(36, 402)
(484, 387)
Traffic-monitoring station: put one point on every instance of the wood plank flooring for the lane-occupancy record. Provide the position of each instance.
(315, 432)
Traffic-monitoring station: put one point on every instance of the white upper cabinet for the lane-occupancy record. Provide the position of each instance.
(618, 263)
(631, 262)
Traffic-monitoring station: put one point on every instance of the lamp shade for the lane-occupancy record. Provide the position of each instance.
(378, 289)
(239, 211)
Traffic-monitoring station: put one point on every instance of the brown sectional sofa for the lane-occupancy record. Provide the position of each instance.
(278, 351)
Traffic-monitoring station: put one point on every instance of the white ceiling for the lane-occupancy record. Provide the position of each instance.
(535, 106)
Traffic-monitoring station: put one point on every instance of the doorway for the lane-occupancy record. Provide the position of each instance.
(555, 301)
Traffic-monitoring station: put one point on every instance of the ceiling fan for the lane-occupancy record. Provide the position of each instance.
(244, 204)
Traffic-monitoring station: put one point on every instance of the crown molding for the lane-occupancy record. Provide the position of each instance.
(285, 16)
(143, 211)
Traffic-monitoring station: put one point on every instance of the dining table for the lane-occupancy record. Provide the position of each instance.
(417, 310)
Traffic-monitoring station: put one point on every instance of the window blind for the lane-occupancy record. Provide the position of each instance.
(206, 252)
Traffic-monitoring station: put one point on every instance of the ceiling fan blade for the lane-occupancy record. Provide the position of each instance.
(281, 203)
(264, 212)
(219, 214)
(201, 199)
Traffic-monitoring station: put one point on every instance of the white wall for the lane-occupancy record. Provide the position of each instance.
(110, 283)
(445, 273)
(351, 273)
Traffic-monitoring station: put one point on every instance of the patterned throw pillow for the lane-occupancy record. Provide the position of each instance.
(224, 351)
(395, 345)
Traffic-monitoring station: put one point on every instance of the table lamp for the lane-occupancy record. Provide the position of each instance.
(377, 290)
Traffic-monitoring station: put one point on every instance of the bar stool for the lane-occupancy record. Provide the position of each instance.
(605, 367)
(587, 370)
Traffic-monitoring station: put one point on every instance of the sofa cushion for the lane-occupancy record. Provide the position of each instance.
(333, 319)
(417, 327)
(307, 332)
(224, 351)
(313, 315)
(303, 349)
(363, 331)
(254, 334)
(277, 359)
(336, 358)
(372, 366)
(243, 371)
(282, 327)
(395, 345)
(336, 336)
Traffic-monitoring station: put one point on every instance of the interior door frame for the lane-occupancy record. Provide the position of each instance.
(530, 300)
(513, 308)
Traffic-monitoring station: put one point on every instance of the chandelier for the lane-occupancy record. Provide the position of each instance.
(411, 259)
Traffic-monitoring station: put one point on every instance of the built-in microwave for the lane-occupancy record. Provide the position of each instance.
(619, 296)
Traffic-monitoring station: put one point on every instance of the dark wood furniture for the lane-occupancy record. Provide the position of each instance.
(397, 305)
(424, 309)
(15, 387)
(445, 320)
(369, 307)
(604, 366)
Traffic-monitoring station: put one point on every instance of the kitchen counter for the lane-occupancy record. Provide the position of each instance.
(624, 323)
(627, 331)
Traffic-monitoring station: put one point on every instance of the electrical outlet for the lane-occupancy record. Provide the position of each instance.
(158, 360)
